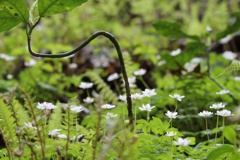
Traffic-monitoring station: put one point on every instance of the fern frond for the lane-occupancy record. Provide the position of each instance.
(234, 66)
(8, 125)
(104, 89)
(55, 121)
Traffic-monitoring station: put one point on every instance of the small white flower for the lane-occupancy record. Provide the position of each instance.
(146, 107)
(122, 97)
(29, 125)
(63, 136)
(205, 114)
(171, 134)
(86, 85)
(149, 92)
(182, 142)
(6, 57)
(54, 132)
(192, 64)
(76, 109)
(110, 115)
(88, 100)
(31, 63)
(113, 77)
(108, 106)
(73, 65)
(224, 113)
(208, 29)
(136, 96)
(140, 72)
(171, 115)
(225, 39)
(177, 96)
(237, 78)
(223, 92)
(160, 63)
(176, 52)
(217, 105)
(9, 76)
(45, 105)
(229, 55)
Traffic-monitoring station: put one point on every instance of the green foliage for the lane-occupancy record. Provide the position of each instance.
(223, 151)
(47, 8)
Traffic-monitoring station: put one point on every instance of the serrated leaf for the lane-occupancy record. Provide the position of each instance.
(230, 134)
(231, 28)
(171, 30)
(218, 152)
(50, 7)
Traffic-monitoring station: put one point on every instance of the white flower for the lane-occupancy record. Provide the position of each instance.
(171, 134)
(171, 115)
(9, 76)
(6, 57)
(136, 96)
(191, 65)
(182, 142)
(225, 39)
(176, 52)
(229, 55)
(29, 125)
(149, 92)
(208, 29)
(113, 77)
(63, 136)
(224, 113)
(85, 85)
(31, 63)
(73, 65)
(146, 107)
(160, 63)
(122, 97)
(223, 92)
(108, 106)
(139, 72)
(88, 100)
(45, 105)
(177, 96)
(110, 115)
(237, 78)
(54, 132)
(76, 109)
(205, 114)
(217, 105)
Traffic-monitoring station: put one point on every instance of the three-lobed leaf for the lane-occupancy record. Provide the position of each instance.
(50, 7)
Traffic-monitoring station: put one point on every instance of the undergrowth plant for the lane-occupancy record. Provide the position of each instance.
(45, 130)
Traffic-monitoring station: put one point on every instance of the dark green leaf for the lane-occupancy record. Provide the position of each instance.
(230, 134)
(231, 28)
(47, 8)
(218, 152)
(7, 20)
(171, 30)
(16, 8)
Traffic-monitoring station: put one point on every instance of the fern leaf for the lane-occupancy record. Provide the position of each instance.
(234, 66)
(55, 119)
(8, 125)
(103, 88)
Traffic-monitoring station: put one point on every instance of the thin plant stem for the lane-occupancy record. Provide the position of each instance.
(176, 106)
(148, 118)
(143, 82)
(171, 148)
(216, 129)
(207, 128)
(135, 118)
(117, 88)
(68, 131)
(30, 28)
(223, 124)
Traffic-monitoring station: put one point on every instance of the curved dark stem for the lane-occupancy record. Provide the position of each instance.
(82, 45)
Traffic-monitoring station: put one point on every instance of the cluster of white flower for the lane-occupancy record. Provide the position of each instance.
(45, 105)
(140, 72)
(86, 85)
(146, 107)
(113, 77)
(76, 109)
(108, 106)
(177, 96)
(110, 115)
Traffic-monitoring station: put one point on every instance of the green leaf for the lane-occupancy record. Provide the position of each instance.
(230, 134)
(218, 152)
(7, 20)
(171, 30)
(231, 28)
(50, 7)
(16, 8)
